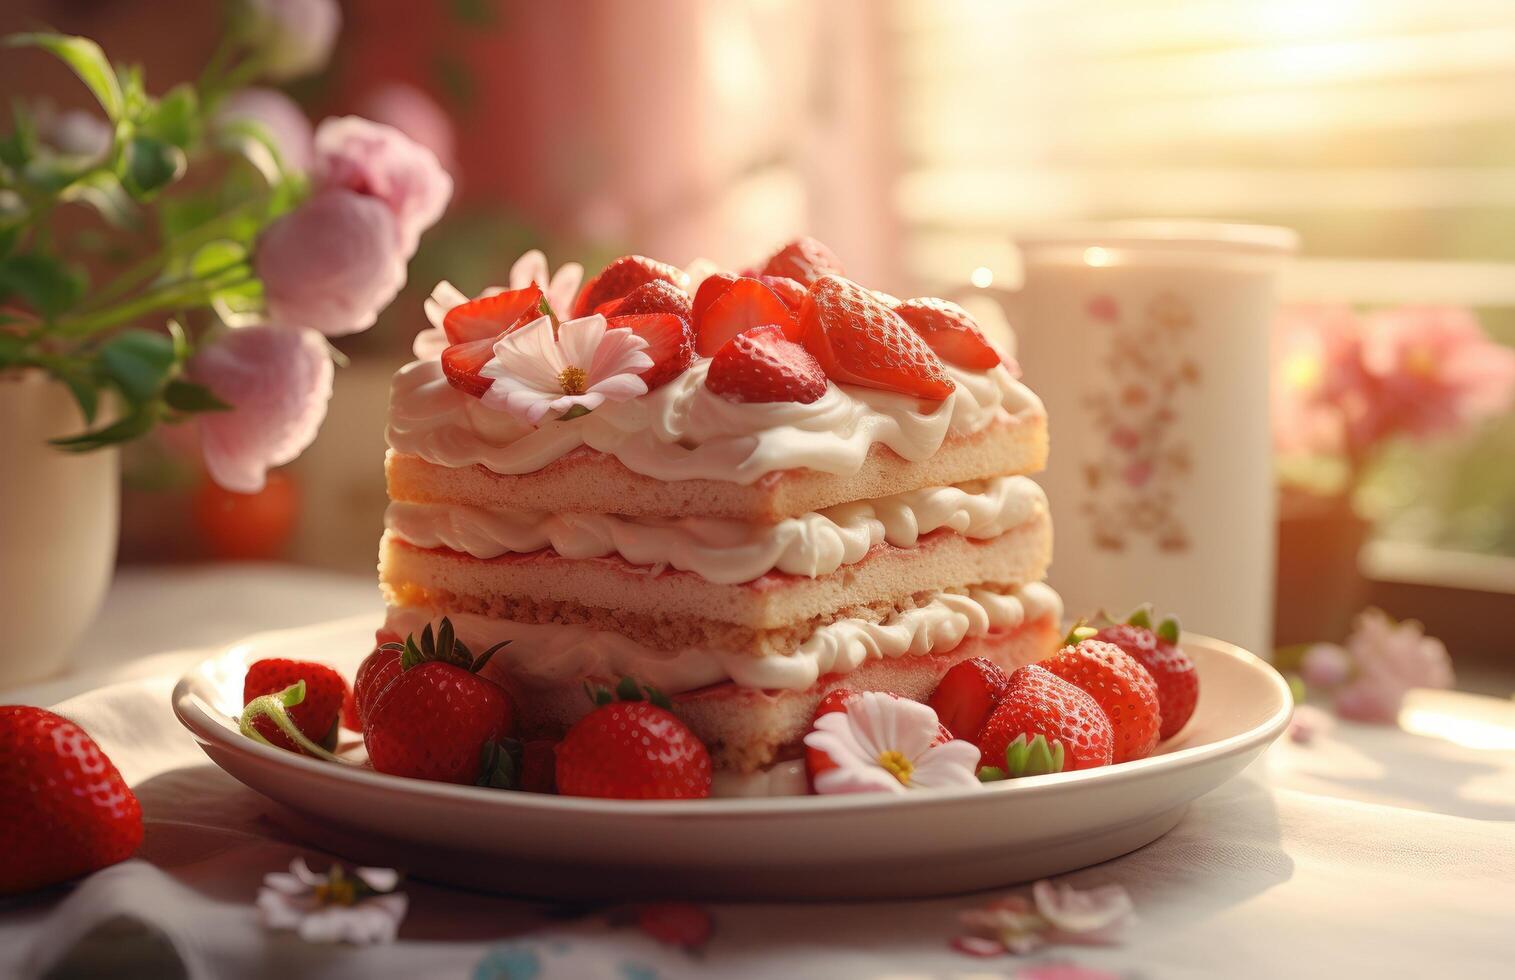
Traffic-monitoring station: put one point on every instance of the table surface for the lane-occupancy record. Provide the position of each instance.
(1371, 851)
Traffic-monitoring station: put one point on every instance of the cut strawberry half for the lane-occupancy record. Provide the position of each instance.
(623, 275)
(745, 304)
(461, 363)
(710, 290)
(949, 330)
(786, 289)
(804, 260)
(763, 365)
(670, 344)
(489, 316)
(860, 341)
(608, 308)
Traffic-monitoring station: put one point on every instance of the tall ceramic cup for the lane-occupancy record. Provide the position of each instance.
(1149, 343)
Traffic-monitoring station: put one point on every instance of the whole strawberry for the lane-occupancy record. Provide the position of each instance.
(622, 276)
(65, 809)
(966, 696)
(1171, 669)
(316, 717)
(632, 749)
(1038, 702)
(1121, 686)
(438, 717)
(804, 260)
(374, 674)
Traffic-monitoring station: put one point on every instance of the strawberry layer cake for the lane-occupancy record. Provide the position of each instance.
(742, 489)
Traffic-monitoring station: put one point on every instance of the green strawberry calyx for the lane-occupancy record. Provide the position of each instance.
(442, 646)
(1080, 632)
(500, 764)
(1023, 757)
(275, 707)
(1167, 629)
(627, 690)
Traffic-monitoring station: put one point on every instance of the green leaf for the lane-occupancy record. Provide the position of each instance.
(134, 425)
(500, 764)
(151, 165)
(21, 143)
(253, 141)
(174, 118)
(992, 774)
(84, 388)
(186, 396)
(88, 62)
(627, 690)
(44, 283)
(1036, 757)
(1169, 629)
(1142, 616)
(139, 362)
(1078, 634)
(102, 190)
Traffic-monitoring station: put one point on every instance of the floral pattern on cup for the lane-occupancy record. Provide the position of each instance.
(1133, 476)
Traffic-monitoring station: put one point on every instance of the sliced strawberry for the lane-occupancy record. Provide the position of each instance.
(670, 344)
(860, 341)
(489, 316)
(657, 296)
(461, 363)
(804, 260)
(786, 289)
(608, 308)
(714, 285)
(966, 696)
(762, 365)
(949, 330)
(623, 275)
(745, 304)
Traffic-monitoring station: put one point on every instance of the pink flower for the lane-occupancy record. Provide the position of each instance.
(1436, 370)
(1307, 723)
(1318, 379)
(418, 116)
(1391, 658)
(383, 163)
(295, 36)
(1325, 666)
(331, 264)
(277, 113)
(277, 379)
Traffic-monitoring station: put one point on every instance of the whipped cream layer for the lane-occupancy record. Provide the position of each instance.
(684, 431)
(724, 551)
(554, 654)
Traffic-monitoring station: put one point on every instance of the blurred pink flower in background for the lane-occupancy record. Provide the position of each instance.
(331, 264)
(1435, 371)
(1343, 382)
(76, 132)
(418, 116)
(295, 36)
(381, 162)
(280, 117)
(278, 379)
(1379, 663)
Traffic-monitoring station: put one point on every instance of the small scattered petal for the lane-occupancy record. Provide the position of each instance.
(295, 901)
(1092, 915)
(1307, 723)
(1389, 659)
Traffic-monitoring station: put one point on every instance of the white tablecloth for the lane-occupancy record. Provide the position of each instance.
(1372, 852)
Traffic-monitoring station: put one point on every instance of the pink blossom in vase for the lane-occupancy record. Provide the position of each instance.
(1318, 379)
(1435, 371)
(283, 121)
(295, 36)
(381, 162)
(277, 380)
(418, 116)
(331, 264)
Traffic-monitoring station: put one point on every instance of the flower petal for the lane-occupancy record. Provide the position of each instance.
(1075, 913)
(579, 339)
(531, 267)
(952, 764)
(531, 355)
(564, 287)
(278, 381)
(619, 352)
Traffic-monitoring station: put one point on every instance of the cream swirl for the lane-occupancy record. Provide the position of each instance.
(724, 551)
(685, 431)
(554, 654)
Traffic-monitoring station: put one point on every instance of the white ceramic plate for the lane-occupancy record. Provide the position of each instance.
(785, 847)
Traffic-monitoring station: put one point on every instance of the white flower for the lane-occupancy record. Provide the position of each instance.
(586, 365)
(560, 289)
(359, 908)
(1055, 914)
(884, 744)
